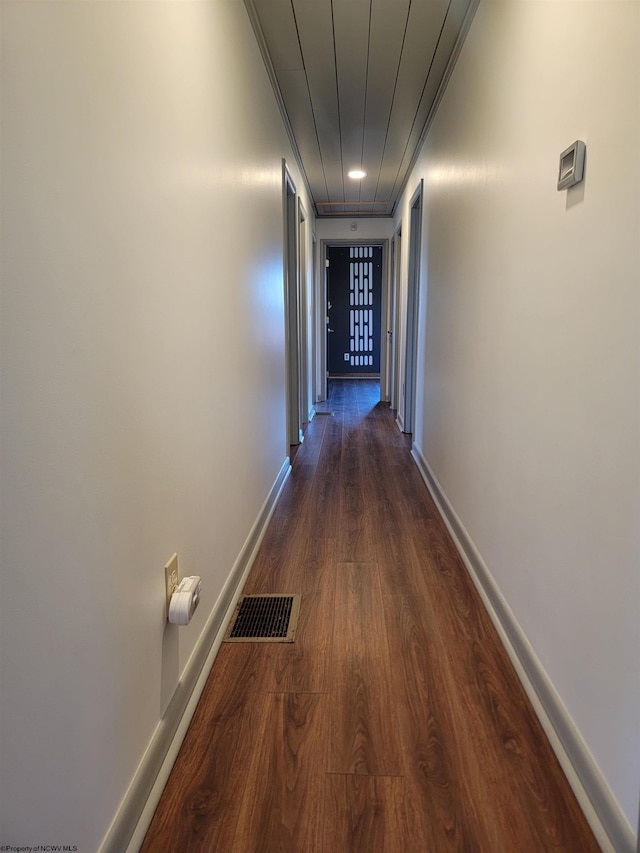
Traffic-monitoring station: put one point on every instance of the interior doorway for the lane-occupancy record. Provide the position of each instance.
(354, 310)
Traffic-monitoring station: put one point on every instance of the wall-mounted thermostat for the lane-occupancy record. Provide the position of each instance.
(571, 169)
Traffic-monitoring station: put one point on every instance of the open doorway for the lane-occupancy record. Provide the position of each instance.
(354, 314)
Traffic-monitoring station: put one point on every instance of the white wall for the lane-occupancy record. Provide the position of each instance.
(528, 399)
(365, 229)
(142, 348)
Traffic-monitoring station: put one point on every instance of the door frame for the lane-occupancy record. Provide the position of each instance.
(305, 411)
(413, 299)
(317, 327)
(384, 312)
(291, 307)
(393, 331)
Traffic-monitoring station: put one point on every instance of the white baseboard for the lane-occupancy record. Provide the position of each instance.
(132, 820)
(607, 821)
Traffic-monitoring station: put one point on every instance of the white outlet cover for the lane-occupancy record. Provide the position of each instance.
(171, 580)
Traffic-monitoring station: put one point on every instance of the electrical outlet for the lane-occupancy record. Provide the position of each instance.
(171, 579)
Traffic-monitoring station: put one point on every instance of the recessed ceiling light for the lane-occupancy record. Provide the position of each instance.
(357, 174)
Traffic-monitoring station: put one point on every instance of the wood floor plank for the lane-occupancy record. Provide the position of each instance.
(304, 666)
(445, 794)
(356, 541)
(271, 559)
(199, 807)
(330, 455)
(303, 563)
(367, 813)
(362, 741)
(309, 451)
(502, 743)
(282, 806)
(509, 739)
(325, 507)
(296, 491)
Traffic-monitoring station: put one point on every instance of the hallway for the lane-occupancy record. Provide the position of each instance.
(395, 722)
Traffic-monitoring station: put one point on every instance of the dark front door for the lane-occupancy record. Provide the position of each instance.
(354, 299)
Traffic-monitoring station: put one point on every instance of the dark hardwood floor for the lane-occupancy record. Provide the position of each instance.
(395, 722)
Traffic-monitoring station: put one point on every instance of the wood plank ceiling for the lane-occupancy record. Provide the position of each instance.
(358, 82)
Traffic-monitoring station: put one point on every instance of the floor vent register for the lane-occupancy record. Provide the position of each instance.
(264, 619)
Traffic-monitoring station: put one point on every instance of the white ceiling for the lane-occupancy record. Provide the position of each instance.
(358, 82)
